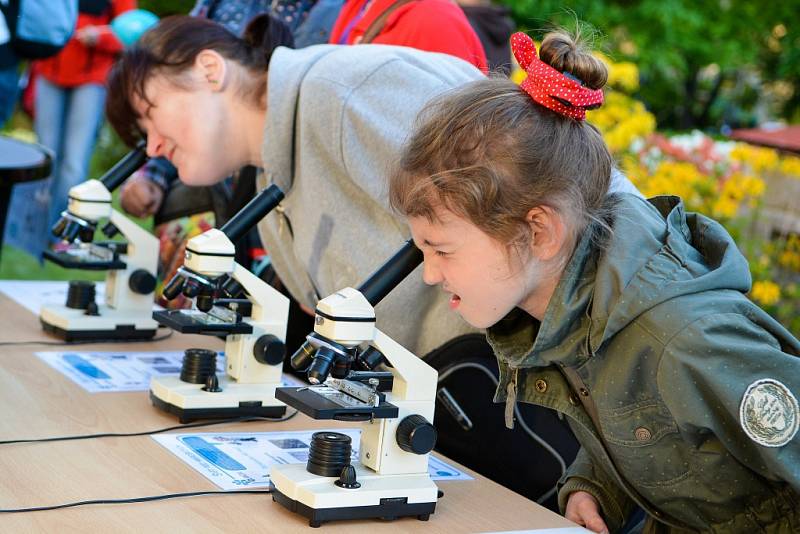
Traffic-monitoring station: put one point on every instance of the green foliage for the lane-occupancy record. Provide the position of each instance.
(164, 8)
(690, 54)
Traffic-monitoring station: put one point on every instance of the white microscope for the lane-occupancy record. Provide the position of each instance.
(130, 265)
(254, 346)
(390, 478)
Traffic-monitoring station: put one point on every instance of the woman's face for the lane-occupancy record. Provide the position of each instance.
(188, 126)
(484, 282)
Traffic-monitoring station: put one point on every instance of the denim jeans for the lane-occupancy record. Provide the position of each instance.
(9, 92)
(67, 121)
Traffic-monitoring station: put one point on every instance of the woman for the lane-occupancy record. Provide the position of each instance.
(326, 124)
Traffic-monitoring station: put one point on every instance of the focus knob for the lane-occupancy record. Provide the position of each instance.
(416, 435)
(269, 350)
(142, 282)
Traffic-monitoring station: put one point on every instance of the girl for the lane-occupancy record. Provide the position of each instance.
(628, 316)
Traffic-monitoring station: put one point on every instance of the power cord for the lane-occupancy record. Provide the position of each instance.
(129, 501)
(90, 341)
(152, 432)
(145, 433)
(447, 371)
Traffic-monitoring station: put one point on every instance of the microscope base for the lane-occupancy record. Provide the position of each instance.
(191, 403)
(70, 324)
(386, 497)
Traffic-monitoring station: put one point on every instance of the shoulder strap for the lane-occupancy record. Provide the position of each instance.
(377, 25)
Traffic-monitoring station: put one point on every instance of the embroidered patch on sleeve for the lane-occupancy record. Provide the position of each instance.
(769, 413)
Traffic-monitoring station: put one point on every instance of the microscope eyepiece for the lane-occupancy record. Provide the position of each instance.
(321, 366)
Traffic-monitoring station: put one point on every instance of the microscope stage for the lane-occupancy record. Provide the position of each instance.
(197, 322)
(82, 259)
(323, 402)
(380, 496)
(190, 402)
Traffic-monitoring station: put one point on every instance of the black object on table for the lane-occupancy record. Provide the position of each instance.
(20, 161)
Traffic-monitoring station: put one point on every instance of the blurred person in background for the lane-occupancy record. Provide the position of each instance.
(431, 25)
(494, 27)
(71, 93)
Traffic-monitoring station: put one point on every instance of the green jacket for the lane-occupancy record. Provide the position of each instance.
(682, 393)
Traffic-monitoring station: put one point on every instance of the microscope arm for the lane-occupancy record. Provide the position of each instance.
(142, 245)
(414, 380)
(266, 300)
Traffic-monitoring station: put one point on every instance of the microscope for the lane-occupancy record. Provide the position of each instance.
(254, 327)
(344, 358)
(130, 265)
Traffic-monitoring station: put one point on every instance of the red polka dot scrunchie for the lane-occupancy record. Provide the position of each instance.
(552, 89)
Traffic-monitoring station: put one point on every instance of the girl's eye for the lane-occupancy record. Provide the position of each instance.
(440, 253)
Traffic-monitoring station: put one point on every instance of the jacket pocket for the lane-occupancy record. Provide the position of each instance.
(644, 442)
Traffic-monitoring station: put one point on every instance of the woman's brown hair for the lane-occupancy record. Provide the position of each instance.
(170, 48)
(488, 153)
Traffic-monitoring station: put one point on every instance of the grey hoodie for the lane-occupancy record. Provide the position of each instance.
(337, 120)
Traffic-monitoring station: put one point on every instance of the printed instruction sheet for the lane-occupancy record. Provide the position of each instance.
(243, 460)
(124, 371)
(118, 371)
(34, 294)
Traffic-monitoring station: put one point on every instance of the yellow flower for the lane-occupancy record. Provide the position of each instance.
(757, 158)
(790, 166)
(765, 292)
(725, 207)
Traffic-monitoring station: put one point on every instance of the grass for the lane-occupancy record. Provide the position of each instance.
(16, 264)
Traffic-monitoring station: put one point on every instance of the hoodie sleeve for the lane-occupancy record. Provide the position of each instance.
(738, 378)
(615, 505)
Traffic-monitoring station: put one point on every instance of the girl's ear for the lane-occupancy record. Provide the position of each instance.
(548, 232)
(212, 69)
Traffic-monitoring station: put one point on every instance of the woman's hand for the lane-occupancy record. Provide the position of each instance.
(140, 197)
(582, 508)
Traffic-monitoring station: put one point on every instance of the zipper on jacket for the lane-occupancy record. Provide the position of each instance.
(511, 399)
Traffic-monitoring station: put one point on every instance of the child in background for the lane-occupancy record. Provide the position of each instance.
(626, 315)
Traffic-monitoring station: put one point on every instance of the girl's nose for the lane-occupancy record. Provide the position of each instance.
(431, 274)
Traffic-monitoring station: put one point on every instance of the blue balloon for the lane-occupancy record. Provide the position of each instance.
(129, 26)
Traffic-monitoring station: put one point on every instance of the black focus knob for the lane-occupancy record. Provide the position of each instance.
(416, 435)
(347, 479)
(142, 282)
(269, 350)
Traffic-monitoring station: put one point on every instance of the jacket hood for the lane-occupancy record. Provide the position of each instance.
(287, 69)
(656, 252)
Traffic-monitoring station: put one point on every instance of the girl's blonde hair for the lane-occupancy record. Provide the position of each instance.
(488, 153)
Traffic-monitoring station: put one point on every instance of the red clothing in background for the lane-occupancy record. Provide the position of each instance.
(78, 64)
(433, 25)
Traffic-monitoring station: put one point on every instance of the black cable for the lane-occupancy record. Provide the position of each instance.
(152, 432)
(89, 341)
(129, 501)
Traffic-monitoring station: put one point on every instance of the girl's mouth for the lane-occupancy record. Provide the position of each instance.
(455, 300)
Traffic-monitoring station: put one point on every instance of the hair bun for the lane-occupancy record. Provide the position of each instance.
(265, 33)
(567, 54)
